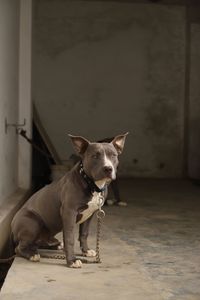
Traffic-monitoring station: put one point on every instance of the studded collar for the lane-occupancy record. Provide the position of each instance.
(90, 182)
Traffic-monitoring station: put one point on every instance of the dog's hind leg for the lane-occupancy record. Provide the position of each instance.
(27, 250)
(26, 233)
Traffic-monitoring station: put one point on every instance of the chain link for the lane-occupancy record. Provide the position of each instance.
(53, 256)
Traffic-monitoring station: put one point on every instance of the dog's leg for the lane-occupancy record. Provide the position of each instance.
(25, 234)
(115, 188)
(28, 250)
(69, 221)
(83, 235)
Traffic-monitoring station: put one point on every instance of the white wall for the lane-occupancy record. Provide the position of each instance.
(103, 68)
(9, 45)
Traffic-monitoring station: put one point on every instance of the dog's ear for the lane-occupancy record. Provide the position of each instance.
(119, 141)
(80, 144)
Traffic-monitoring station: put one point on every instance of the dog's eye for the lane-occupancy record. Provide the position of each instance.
(96, 155)
(113, 154)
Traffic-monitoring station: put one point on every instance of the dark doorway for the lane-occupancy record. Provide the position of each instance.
(41, 162)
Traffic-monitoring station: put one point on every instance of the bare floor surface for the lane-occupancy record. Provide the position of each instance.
(150, 250)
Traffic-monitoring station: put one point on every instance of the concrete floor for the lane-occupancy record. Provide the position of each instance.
(150, 251)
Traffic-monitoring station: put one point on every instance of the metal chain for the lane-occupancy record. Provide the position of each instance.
(53, 256)
(98, 259)
(100, 216)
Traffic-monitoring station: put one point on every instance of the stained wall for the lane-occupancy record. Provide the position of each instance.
(104, 68)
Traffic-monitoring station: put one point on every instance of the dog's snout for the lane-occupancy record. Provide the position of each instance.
(108, 170)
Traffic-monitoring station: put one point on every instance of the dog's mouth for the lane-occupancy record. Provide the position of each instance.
(102, 177)
(111, 177)
(106, 179)
(103, 182)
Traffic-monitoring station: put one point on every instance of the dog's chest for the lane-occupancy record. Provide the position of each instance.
(87, 211)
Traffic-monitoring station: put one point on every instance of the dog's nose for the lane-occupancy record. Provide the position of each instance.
(107, 170)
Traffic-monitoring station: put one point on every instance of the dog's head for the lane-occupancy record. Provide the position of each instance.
(100, 159)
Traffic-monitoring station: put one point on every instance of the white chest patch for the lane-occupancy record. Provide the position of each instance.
(91, 207)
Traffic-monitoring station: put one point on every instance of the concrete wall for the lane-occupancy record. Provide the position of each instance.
(15, 105)
(9, 45)
(194, 105)
(25, 96)
(102, 68)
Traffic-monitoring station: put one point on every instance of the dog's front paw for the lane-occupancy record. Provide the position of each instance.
(35, 258)
(77, 264)
(89, 253)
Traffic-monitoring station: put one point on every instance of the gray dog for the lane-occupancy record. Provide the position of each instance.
(71, 200)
